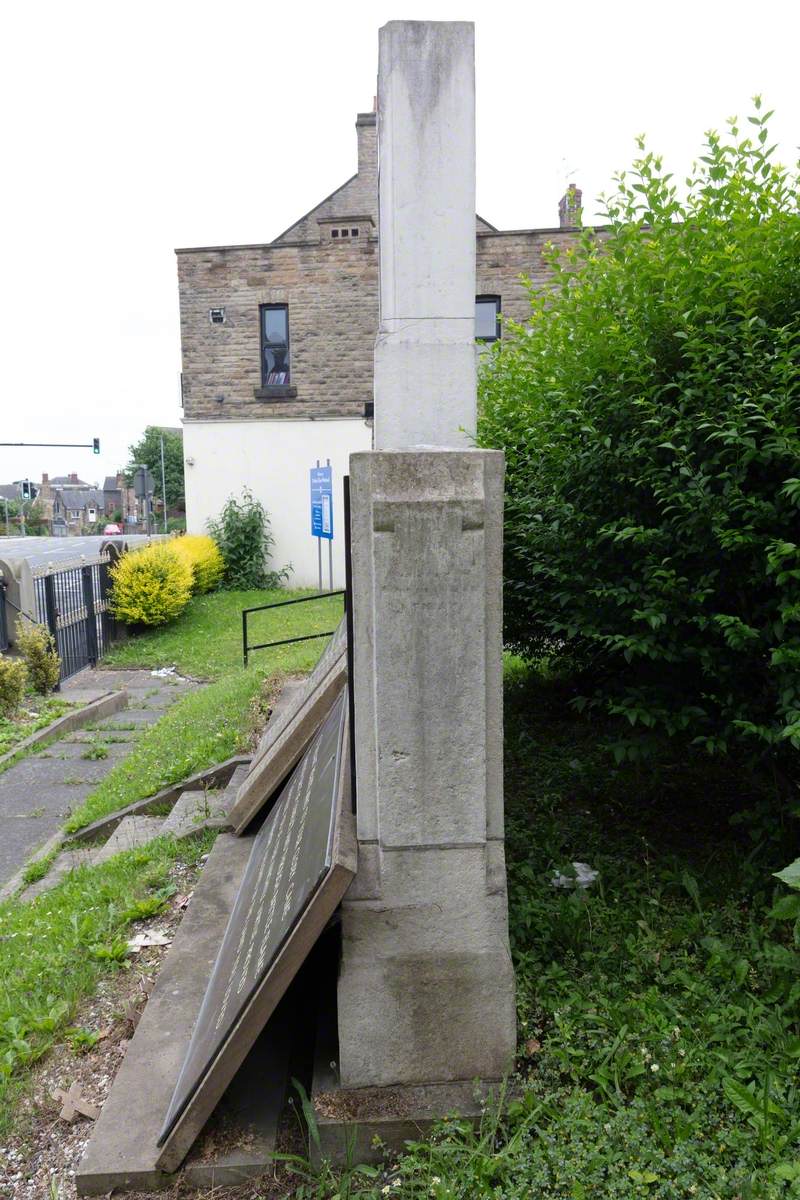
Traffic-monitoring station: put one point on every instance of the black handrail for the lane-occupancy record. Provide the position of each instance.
(283, 641)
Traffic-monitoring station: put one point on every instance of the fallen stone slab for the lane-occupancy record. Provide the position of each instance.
(216, 776)
(122, 1151)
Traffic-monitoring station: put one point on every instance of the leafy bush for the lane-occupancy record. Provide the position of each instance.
(649, 415)
(203, 556)
(37, 646)
(13, 678)
(151, 586)
(243, 535)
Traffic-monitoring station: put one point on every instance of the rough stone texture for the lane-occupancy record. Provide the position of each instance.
(426, 991)
(425, 383)
(122, 1152)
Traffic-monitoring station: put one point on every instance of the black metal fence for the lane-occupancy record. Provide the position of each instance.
(73, 604)
(3, 617)
(247, 647)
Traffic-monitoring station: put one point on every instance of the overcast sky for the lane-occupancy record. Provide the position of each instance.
(132, 129)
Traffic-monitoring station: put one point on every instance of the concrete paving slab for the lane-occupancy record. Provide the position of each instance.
(68, 860)
(38, 792)
(191, 811)
(75, 750)
(122, 1151)
(130, 833)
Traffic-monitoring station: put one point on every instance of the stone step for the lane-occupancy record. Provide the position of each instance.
(191, 812)
(132, 832)
(66, 861)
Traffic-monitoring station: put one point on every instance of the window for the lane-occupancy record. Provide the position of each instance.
(487, 318)
(339, 232)
(274, 345)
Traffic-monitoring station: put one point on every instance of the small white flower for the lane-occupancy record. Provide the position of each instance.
(655, 1067)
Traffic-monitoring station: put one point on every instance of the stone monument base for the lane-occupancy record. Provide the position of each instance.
(358, 1125)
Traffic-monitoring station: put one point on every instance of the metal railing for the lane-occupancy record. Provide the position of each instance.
(73, 604)
(307, 637)
(3, 617)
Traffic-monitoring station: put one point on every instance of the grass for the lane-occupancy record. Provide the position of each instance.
(39, 712)
(659, 1011)
(54, 949)
(206, 640)
(211, 723)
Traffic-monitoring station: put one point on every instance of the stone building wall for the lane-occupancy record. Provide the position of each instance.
(331, 288)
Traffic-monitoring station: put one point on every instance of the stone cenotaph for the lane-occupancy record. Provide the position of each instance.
(425, 1004)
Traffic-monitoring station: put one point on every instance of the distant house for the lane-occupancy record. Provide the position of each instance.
(277, 351)
(119, 501)
(70, 505)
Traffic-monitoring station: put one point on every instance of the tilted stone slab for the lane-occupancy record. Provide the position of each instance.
(122, 1152)
(302, 861)
(290, 730)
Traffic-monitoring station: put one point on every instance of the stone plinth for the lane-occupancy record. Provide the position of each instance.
(426, 991)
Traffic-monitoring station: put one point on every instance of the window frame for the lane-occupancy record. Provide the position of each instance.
(487, 298)
(263, 308)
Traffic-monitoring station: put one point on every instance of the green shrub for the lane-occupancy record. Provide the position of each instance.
(37, 646)
(649, 415)
(243, 535)
(150, 586)
(13, 678)
(203, 556)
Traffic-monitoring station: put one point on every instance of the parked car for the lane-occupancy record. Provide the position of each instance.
(111, 529)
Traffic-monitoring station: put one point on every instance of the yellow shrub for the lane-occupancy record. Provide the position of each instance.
(13, 677)
(151, 586)
(37, 646)
(203, 556)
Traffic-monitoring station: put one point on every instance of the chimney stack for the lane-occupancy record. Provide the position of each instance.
(367, 131)
(570, 208)
(73, 477)
(45, 477)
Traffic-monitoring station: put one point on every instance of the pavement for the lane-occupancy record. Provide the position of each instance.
(39, 793)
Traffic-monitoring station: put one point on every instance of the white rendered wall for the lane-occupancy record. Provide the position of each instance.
(273, 459)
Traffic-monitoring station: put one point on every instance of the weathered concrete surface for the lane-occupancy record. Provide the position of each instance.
(39, 792)
(98, 705)
(122, 1151)
(426, 989)
(425, 377)
(130, 833)
(68, 860)
(218, 775)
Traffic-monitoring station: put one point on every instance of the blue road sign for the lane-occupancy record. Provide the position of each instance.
(322, 502)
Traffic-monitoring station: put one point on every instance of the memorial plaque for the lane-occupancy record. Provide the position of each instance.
(284, 741)
(302, 862)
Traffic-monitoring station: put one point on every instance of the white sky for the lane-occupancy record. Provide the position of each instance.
(132, 129)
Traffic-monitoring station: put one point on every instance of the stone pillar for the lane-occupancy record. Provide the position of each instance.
(426, 987)
(425, 348)
(426, 991)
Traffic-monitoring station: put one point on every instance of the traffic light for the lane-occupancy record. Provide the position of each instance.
(25, 488)
(96, 445)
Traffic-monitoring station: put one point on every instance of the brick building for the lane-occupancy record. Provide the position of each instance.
(277, 344)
